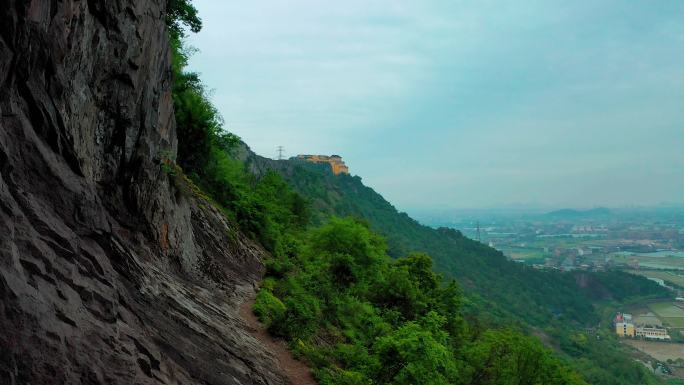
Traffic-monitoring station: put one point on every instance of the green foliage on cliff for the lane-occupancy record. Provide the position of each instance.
(359, 317)
(179, 14)
(264, 207)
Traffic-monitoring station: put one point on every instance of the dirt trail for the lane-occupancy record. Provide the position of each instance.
(296, 371)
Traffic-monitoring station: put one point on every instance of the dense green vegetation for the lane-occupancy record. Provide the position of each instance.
(360, 318)
(600, 361)
(497, 292)
(356, 315)
(180, 14)
(534, 297)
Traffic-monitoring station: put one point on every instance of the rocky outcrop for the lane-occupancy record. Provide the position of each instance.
(111, 270)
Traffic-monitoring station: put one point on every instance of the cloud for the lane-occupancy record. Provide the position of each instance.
(470, 103)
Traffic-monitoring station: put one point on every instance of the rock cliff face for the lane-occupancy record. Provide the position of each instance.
(109, 272)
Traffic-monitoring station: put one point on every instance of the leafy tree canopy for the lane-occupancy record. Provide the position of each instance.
(179, 14)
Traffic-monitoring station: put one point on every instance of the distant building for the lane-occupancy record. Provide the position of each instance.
(648, 327)
(652, 333)
(335, 161)
(624, 326)
(625, 329)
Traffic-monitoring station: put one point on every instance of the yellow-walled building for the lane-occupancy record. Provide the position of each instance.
(625, 329)
(335, 161)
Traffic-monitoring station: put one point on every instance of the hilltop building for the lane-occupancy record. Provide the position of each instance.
(335, 161)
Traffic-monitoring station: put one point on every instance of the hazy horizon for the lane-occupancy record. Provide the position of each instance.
(461, 104)
(530, 207)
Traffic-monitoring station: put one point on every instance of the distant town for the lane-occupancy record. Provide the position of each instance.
(643, 241)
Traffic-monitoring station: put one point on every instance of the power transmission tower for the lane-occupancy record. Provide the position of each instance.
(478, 232)
(280, 152)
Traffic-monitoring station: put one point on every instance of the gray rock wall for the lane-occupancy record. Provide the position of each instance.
(109, 272)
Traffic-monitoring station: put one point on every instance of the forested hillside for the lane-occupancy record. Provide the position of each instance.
(358, 299)
(528, 294)
(497, 291)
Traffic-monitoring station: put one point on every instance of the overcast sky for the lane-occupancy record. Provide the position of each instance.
(461, 103)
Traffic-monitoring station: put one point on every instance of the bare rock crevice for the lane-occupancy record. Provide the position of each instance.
(107, 273)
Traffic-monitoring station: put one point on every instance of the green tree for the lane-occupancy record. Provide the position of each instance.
(509, 358)
(417, 354)
(180, 13)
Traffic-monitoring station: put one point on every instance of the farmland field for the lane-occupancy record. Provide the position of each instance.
(661, 351)
(662, 263)
(664, 275)
(669, 313)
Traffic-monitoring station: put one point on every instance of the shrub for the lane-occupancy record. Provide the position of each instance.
(268, 308)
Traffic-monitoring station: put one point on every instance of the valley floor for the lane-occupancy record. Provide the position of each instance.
(661, 351)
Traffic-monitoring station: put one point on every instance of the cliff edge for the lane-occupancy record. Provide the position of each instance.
(110, 271)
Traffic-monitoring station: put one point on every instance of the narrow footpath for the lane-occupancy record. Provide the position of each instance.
(296, 371)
